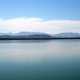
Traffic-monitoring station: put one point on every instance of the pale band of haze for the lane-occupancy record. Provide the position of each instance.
(32, 24)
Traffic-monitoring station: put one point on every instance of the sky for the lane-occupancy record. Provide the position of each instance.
(51, 16)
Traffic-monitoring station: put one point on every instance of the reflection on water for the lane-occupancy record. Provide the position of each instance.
(40, 60)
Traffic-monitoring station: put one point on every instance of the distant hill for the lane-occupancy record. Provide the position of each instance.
(25, 35)
(67, 35)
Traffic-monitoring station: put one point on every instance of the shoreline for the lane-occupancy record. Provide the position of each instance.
(37, 38)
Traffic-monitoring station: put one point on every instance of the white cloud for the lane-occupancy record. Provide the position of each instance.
(38, 24)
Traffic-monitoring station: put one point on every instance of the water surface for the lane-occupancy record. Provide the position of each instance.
(40, 60)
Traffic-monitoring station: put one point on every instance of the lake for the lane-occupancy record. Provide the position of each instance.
(40, 60)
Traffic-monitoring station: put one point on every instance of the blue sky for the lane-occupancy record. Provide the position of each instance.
(53, 16)
(47, 9)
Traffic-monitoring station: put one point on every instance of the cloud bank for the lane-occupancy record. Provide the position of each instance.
(39, 25)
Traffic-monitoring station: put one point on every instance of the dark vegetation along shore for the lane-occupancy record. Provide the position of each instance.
(37, 36)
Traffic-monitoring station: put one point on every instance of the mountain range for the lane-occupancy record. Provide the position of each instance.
(38, 35)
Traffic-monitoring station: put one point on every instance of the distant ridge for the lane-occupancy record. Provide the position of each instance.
(25, 36)
(67, 35)
(38, 36)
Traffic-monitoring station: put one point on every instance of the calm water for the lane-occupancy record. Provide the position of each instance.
(40, 60)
